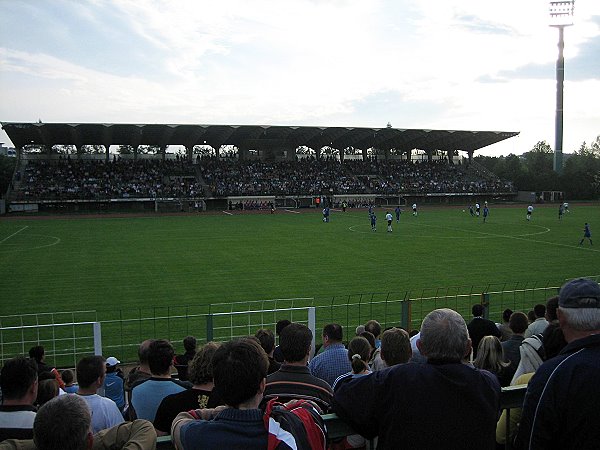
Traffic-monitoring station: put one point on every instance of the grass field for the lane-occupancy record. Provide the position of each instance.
(120, 265)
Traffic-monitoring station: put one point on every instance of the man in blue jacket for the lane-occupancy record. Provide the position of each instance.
(560, 410)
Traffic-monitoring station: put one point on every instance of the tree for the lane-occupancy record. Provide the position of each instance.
(7, 168)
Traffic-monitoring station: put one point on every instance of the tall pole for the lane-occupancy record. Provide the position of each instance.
(560, 79)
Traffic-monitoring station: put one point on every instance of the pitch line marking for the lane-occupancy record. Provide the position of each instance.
(290, 211)
(14, 234)
(227, 212)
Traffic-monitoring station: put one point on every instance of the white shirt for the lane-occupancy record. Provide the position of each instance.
(388, 216)
(530, 208)
(414, 206)
(105, 413)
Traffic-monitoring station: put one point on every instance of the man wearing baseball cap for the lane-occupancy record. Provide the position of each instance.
(560, 410)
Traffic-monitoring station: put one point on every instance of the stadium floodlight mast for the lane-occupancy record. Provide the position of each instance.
(561, 16)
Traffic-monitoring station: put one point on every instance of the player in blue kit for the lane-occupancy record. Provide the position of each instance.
(486, 211)
(561, 210)
(326, 214)
(586, 234)
(373, 222)
(398, 212)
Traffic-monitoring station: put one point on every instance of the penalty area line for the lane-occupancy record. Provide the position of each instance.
(14, 234)
(227, 212)
(290, 211)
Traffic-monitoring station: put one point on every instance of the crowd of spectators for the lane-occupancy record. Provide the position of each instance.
(67, 178)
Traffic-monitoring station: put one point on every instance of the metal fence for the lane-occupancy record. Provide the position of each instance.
(66, 339)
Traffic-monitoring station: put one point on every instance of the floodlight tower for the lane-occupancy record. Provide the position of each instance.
(561, 16)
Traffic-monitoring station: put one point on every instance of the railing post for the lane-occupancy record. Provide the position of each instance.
(405, 314)
(485, 301)
(209, 327)
(97, 338)
(312, 324)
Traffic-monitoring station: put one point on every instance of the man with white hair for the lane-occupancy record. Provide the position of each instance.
(444, 403)
(560, 410)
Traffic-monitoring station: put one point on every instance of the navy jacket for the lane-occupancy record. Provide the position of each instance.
(445, 405)
(560, 410)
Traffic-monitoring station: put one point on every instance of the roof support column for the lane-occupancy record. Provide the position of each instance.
(470, 153)
(318, 152)
(364, 154)
(163, 151)
(107, 155)
(450, 154)
(79, 151)
(429, 155)
(341, 155)
(189, 152)
(386, 154)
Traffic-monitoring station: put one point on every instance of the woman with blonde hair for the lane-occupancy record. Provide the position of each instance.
(490, 357)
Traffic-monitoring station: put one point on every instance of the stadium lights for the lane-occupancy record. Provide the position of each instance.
(561, 16)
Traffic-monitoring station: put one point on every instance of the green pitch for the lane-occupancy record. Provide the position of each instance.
(106, 263)
(173, 264)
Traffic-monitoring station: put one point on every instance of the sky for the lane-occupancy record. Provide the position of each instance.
(434, 64)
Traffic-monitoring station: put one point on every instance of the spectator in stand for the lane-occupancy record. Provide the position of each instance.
(479, 327)
(38, 354)
(91, 371)
(181, 361)
(267, 342)
(518, 324)
(200, 396)
(68, 378)
(65, 423)
(395, 347)
(359, 354)
(147, 394)
(460, 398)
(560, 410)
(47, 389)
(504, 327)
(333, 362)
(19, 384)
(490, 357)
(373, 327)
(540, 323)
(552, 337)
(113, 383)
(294, 380)
(240, 368)
(416, 353)
(141, 372)
(279, 326)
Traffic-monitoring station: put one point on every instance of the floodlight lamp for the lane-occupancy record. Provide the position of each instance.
(561, 13)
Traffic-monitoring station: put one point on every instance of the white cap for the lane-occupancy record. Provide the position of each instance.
(112, 361)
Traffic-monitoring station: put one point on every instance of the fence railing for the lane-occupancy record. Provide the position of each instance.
(123, 330)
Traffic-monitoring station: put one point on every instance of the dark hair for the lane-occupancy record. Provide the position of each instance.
(89, 369)
(67, 376)
(395, 347)
(477, 310)
(47, 390)
(200, 369)
(37, 353)
(189, 343)
(266, 338)
(539, 310)
(280, 325)
(518, 322)
(359, 353)
(531, 316)
(295, 341)
(551, 307)
(144, 350)
(17, 376)
(369, 337)
(239, 366)
(333, 331)
(372, 326)
(160, 356)
(506, 314)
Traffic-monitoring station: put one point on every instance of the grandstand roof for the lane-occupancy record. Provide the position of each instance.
(248, 136)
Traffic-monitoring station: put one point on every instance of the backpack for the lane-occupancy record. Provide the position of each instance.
(297, 426)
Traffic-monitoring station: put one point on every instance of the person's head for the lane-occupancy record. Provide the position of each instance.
(37, 353)
(579, 308)
(200, 370)
(189, 343)
(372, 326)
(539, 310)
(19, 380)
(91, 371)
(143, 351)
(518, 322)
(67, 376)
(531, 316)
(551, 307)
(160, 357)
(359, 330)
(359, 353)
(444, 336)
(266, 339)
(240, 369)
(295, 341)
(369, 337)
(280, 325)
(332, 334)
(477, 310)
(111, 364)
(490, 355)
(63, 423)
(506, 314)
(47, 390)
(395, 347)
